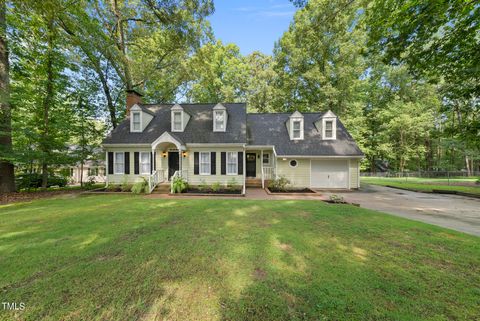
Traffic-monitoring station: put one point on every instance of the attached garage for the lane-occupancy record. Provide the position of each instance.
(329, 173)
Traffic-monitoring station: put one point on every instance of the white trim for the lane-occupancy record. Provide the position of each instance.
(334, 128)
(115, 163)
(149, 163)
(349, 174)
(167, 138)
(173, 120)
(140, 122)
(292, 129)
(236, 164)
(209, 163)
(106, 168)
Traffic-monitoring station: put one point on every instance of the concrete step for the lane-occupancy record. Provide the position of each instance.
(253, 182)
(162, 189)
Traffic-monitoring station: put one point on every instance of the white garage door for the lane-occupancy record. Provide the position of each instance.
(329, 173)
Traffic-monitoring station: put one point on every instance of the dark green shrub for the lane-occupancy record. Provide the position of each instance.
(34, 180)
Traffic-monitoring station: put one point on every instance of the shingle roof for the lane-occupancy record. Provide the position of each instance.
(270, 129)
(198, 130)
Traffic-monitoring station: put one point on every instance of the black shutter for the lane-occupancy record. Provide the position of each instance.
(240, 163)
(195, 163)
(213, 163)
(151, 162)
(136, 163)
(154, 161)
(223, 167)
(110, 162)
(127, 162)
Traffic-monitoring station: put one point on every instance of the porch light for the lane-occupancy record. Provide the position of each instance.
(284, 159)
(184, 154)
(164, 154)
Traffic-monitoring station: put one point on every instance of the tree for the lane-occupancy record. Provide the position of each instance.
(7, 181)
(260, 89)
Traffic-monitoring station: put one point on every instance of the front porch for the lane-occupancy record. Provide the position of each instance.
(260, 166)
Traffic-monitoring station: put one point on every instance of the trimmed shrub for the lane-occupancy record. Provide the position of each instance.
(280, 183)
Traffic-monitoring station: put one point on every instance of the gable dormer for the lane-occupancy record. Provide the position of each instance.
(295, 125)
(327, 125)
(220, 118)
(179, 118)
(139, 119)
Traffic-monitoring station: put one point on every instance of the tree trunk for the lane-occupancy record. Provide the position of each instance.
(467, 165)
(121, 44)
(47, 102)
(7, 178)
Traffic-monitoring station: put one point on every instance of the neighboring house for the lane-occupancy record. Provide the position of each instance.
(207, 143)
(92, 171)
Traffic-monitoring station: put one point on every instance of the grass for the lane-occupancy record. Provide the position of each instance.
(424, 184)
(123, 257)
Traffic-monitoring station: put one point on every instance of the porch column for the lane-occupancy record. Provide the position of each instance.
(261, 167)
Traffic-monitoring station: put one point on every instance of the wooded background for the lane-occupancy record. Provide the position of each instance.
(403, 76)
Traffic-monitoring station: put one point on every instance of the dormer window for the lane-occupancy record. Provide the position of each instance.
(177, 121)
(136, 121)
(329, 129)
(219, 121)
(219, 118)
(295, 126)
(297, 131)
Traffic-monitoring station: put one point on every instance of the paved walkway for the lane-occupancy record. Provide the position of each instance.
(451, 211)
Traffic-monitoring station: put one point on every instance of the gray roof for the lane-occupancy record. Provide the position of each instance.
(198, 130)
(270, 129)
(252, 129)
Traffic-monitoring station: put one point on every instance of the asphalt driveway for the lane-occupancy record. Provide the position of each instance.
(451, 211)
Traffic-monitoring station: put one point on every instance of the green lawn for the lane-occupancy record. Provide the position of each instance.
(424, 184)
(132, 258)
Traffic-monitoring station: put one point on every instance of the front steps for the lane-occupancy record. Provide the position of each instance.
(253, 182)
(163, 188)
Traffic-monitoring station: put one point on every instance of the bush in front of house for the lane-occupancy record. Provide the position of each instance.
(140, 187)
(279, 183)
(179, 185)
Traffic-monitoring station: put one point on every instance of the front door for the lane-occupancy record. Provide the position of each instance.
(173, 163)
(251, 164)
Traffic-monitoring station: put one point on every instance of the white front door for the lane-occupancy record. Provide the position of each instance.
(329, 173)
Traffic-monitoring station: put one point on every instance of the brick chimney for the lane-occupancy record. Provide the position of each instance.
(133, 97)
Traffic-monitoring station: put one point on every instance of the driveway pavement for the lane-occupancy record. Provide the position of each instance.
(451, 211)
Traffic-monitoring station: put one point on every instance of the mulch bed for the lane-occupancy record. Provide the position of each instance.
(30, 196)
(292, 191)
(196, 191)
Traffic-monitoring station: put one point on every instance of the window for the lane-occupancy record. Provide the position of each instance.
(297, 129)
(177, 121)
(329, 129)
(136, 122)
(219, 124)
(93, 171)
(293, 163)
(119, 165)
(204, 163)
(144, 163)
(266, 159)
(232, 163)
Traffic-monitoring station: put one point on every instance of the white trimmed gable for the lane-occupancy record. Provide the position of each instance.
(295, 126)
(179, 118)
(220, 118)
(139, 119)
(327, 125)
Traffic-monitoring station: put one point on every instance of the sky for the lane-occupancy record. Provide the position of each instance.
(251, 24)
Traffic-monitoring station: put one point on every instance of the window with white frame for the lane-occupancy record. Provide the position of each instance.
(329, 129)
(297, 129)
(266, 159)
(145, 163)
(136, 122)
(204, 163)
(177, 121)
(119, 165)
(232, 163)
(220, 118)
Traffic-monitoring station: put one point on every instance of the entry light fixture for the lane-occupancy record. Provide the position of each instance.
(184, 154)
(164, 154)
(284, 159)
